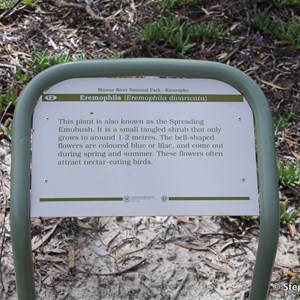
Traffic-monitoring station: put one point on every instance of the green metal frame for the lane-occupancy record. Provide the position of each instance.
(21, 153)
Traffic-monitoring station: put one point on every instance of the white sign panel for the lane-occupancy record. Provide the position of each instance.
(143, 146)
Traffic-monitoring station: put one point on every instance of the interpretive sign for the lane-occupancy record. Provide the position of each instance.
(96, 138)
(143, 146)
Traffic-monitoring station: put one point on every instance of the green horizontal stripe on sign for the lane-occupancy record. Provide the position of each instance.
(141, 98)
(207, 198)
(80, 199)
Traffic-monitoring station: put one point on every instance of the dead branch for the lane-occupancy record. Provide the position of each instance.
(87, 8)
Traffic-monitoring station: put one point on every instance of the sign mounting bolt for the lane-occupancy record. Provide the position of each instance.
(46, 180)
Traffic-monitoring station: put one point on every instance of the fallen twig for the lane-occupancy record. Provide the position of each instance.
(168, 278)
(3, 228)
(87, 8)
(178, 290)
(111, 241)
(191, 246)
(215, 266)
(221, 256)
(234, 243)
(130, 252)
(129, 269)
(274, 85)
(40, 242)
(10, 9)
(291, 229)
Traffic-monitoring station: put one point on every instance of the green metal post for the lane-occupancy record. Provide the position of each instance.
(20, 201)
(21, 153)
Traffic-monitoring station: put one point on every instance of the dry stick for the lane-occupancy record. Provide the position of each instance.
(8, 66)
(4, 132)
(104, 20)
(147, 287)
(130, 252)
(10, 9)
(167, 279)
(87, 8)
(111, 241)
(234, 243)
(229, 55)
(40, 242)
(221, 256)
(5, 111)
(62, 3)
(178, 290)
(3, 232)
(131, 268)
(192, 246)
(3, 229)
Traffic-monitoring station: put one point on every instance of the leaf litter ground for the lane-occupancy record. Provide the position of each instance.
(149, 257)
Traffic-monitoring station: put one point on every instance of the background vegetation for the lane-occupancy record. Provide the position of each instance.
(260, 37)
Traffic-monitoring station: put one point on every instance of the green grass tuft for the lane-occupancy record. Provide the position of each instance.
(179, 35)
(288, 32)
(289, 173)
